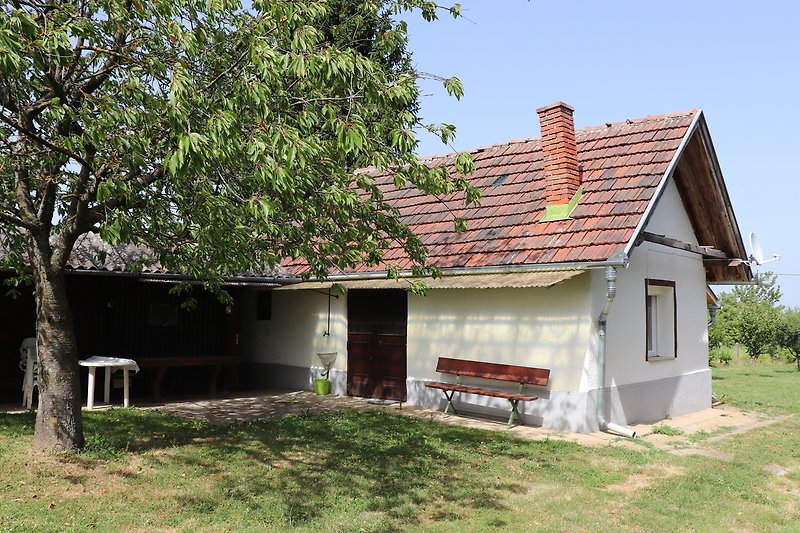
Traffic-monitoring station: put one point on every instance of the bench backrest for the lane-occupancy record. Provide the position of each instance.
(498, 371)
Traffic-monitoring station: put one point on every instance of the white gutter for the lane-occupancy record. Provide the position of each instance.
(605, 424)
(663, 184)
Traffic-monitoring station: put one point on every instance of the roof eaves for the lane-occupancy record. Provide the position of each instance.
(708, 146)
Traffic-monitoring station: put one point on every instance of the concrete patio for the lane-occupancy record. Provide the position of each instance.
(712, 424)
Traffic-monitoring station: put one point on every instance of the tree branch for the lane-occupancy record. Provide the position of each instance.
(44, 142)
(77, 52)
(94, 215)
(77, 213)
(15, 221)
(22, 191)
(96, 80)
(5, 96)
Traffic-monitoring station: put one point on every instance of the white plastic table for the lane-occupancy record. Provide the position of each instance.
(110, 364)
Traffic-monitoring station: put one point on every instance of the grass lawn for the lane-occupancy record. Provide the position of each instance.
(377, 472)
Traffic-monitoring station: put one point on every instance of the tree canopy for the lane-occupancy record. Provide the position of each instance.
(752, 316)
(219, 136)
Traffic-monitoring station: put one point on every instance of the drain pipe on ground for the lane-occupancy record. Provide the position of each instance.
(605, 424)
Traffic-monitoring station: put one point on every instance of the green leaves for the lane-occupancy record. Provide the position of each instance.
(751, 316)
(350, 136)
(192, 143)
(224, 138)
(19, 25)
(454, 87)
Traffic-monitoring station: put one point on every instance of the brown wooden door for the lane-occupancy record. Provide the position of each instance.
(376, 343)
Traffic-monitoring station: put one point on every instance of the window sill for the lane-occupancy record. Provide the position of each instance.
(656, 358)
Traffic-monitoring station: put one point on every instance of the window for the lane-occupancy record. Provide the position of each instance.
(661, 318)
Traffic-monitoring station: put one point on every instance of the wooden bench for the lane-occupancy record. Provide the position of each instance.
(218, 362)
(522, 375)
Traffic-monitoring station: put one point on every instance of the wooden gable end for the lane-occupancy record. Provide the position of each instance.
(705, 198)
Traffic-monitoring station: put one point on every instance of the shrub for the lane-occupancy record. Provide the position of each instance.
(722, 355)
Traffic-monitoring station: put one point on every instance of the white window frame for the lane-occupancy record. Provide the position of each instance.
(661, 320)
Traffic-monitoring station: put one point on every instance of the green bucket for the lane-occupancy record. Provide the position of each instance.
(322, 387)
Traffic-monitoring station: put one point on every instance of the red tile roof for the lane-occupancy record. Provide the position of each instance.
(621, 166)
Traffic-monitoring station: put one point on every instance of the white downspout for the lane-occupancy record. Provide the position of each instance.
(603, 422)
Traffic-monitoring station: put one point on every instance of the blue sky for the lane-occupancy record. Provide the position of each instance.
(738, 61)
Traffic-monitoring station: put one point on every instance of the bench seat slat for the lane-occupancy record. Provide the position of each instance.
(508, 395)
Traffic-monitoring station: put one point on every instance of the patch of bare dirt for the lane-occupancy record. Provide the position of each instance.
(55, 478)
(641, 480)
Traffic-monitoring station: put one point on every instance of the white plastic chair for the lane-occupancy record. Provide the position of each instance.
(28, 363)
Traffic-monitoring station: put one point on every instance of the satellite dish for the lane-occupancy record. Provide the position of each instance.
(757, 253)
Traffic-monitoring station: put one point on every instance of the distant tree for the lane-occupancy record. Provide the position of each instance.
(757, 327)
(723, 331)
(766, 289)
(789, 333)
(219, 136)
(750, 316)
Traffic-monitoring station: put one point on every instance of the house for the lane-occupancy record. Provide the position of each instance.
(590, 255)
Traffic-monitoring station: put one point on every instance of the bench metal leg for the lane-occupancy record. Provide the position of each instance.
(514, 414)
(449, 401)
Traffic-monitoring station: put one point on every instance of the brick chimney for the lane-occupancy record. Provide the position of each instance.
(560, 152)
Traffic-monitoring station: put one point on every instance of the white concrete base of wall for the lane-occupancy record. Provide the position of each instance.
(637, 403)
(652, 401)
(557, 410)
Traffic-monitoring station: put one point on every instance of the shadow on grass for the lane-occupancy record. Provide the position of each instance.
(392, 464)
(17, 424)
(315, 463)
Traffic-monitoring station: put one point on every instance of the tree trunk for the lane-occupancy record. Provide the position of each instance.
(59, 425)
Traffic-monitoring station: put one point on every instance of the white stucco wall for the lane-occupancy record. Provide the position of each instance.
(626, 346)
(296, 332)
(547, 328)
(626, 324)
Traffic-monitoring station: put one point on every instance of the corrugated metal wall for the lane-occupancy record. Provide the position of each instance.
(123, 317)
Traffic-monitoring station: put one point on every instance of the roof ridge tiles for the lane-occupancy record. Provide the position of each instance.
(583, 131)
(637, 121)
(484, 148)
